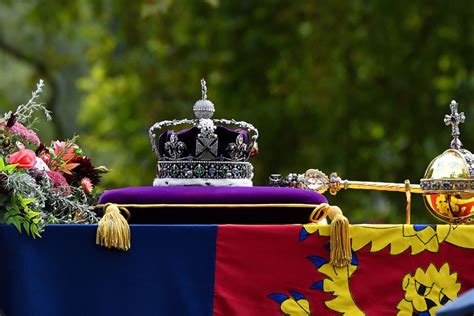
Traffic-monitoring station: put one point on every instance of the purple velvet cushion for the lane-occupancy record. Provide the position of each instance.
(197, 195)
(211, 195)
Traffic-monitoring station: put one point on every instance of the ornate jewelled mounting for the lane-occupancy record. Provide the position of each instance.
(208, 153)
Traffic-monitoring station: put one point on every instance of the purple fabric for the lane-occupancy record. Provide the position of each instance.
(210, 195)
(215, 195)
(189, 136)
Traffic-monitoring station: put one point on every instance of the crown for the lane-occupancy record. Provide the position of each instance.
(208, 153)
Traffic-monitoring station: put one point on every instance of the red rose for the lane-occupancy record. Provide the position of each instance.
(24, 158)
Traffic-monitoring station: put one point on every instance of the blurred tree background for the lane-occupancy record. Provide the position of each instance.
(357, 87)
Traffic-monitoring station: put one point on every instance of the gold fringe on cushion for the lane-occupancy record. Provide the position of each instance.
(113, 230)
(340, 241)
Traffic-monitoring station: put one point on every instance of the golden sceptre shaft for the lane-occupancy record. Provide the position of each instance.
(316, 180)
(380, 186)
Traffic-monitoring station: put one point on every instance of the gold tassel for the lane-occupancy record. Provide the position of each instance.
(113, 230)
(341, 254)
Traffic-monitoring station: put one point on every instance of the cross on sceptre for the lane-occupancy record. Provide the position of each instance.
(203, 89)
(454, 120)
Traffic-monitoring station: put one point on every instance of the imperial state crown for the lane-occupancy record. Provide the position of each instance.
(209, 153)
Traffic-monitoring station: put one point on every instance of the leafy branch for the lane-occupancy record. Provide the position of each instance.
(18, 210)
(19, 213)
(24, 112)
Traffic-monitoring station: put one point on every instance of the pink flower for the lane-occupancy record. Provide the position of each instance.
(64, 150)
(46, 158)
(86, 185)
(49, 162)
(59, 182)
(27, 134)
(24, 158)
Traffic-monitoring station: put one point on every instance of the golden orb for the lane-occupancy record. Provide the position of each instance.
(448, 184)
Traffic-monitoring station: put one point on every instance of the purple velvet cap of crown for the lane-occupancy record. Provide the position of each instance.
(189, 136)
(211, 195)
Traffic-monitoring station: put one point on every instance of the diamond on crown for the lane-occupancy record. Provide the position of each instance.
(207, 151)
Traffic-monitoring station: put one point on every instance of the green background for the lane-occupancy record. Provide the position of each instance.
(357, 87)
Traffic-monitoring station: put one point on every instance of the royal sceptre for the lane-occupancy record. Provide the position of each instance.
(318, 181)
(447, 186)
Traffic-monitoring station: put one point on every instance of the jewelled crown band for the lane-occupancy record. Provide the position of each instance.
(208, 153)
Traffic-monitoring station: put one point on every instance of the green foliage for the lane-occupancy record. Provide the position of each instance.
(19, 213)
(16, 209)
(349, 86)
(6, 169)
(24, 112)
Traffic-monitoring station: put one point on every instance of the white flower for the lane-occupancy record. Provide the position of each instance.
(41, 165)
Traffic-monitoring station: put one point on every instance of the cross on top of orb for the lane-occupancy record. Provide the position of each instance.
(203, 89)
(454, 119)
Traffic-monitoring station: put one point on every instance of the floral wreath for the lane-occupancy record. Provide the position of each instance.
(41, 184)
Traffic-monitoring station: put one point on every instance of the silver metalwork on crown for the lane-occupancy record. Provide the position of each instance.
(174, 148)
(203, 109)
(206, 143)
(208, 161)
(237, 150)
(204, 169)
